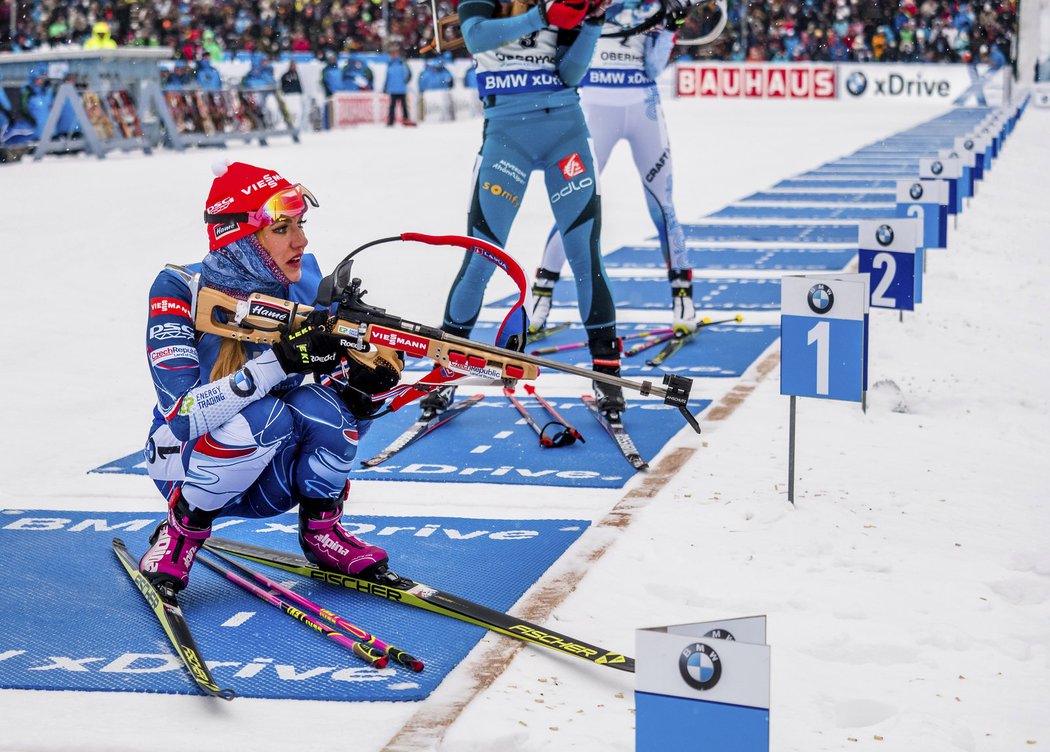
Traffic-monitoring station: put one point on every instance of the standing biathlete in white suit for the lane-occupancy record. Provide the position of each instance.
(621, 102)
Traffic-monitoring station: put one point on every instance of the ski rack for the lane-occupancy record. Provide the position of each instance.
(67, 94)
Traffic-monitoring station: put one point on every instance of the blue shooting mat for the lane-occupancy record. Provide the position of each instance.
(846, 184)
(750, 233)
(870, 197)
(762, 259)
(718, 350)
(728, 294)
(861, 172)
(868, 169)
(97, 633)
(491, 443)
(901, 151)
(751, 211)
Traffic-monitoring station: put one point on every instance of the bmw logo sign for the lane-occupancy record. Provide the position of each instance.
(937, 168)
(856, 83)
(915, 191)
(720, 634)
(150, 451)
(700, 666)
(968, 144)
(820, 298)
(953, 155)
(884, 235)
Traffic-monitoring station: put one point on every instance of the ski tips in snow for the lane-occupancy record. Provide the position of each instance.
(165, 607)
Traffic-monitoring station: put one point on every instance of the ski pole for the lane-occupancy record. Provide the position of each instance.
(531, 391)
(367, 638)
(362, 651)
(641, 346)
(578, 345)
(560, 439)
(676, 342)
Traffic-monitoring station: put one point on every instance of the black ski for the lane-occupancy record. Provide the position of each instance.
(421, 428)
(619, 434)
(411, 593)
(536, 336)
(166, 606)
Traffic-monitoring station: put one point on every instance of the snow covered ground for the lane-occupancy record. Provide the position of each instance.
(907, 591)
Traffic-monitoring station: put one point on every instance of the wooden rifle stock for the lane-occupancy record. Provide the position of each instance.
(447, 36)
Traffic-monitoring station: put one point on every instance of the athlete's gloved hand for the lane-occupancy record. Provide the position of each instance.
(310, 348)
(565, 14)
(363, 382)
(677, 10)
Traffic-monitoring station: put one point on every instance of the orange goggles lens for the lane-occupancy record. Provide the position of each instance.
(284, 205)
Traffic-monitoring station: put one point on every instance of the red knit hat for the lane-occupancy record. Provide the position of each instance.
(245, 198)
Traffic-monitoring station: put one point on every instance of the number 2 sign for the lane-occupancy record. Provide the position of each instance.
(887, 251)
(824, 336)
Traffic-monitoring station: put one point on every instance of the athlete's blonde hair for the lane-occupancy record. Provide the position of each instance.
(232, 357)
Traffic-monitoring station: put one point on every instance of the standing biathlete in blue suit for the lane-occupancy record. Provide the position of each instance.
(236, 431)
(527, 69)
(621, 101)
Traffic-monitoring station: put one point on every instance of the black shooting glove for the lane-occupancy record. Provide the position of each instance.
(310, 348)
(364, 381)
(677, 10)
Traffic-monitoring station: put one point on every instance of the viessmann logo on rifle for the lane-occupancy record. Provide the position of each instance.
(268, 311)
(411, 344)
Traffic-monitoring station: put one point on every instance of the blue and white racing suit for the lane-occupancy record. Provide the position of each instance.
(527, 73)
(621, 102)
(250, 444)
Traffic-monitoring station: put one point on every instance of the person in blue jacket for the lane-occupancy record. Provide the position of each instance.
(37, 99)
(331, 76)
(177, 79)
(435, 76)
(357, 76)
(529, 66)
(260, 75)
(396, 85)
(237, 430)
(208, 76)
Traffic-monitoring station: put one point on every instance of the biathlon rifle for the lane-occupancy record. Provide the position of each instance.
(365, 328)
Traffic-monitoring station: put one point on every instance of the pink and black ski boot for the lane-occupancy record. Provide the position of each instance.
(328, 545)
(174, 545)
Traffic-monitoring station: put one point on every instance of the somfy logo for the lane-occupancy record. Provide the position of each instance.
(884, 235)
(820, 298)
(915, 191)
(700, 666)
(856, 83)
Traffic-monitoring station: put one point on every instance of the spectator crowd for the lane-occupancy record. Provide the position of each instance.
(777, 30)
(907, 31)
(271, 27)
